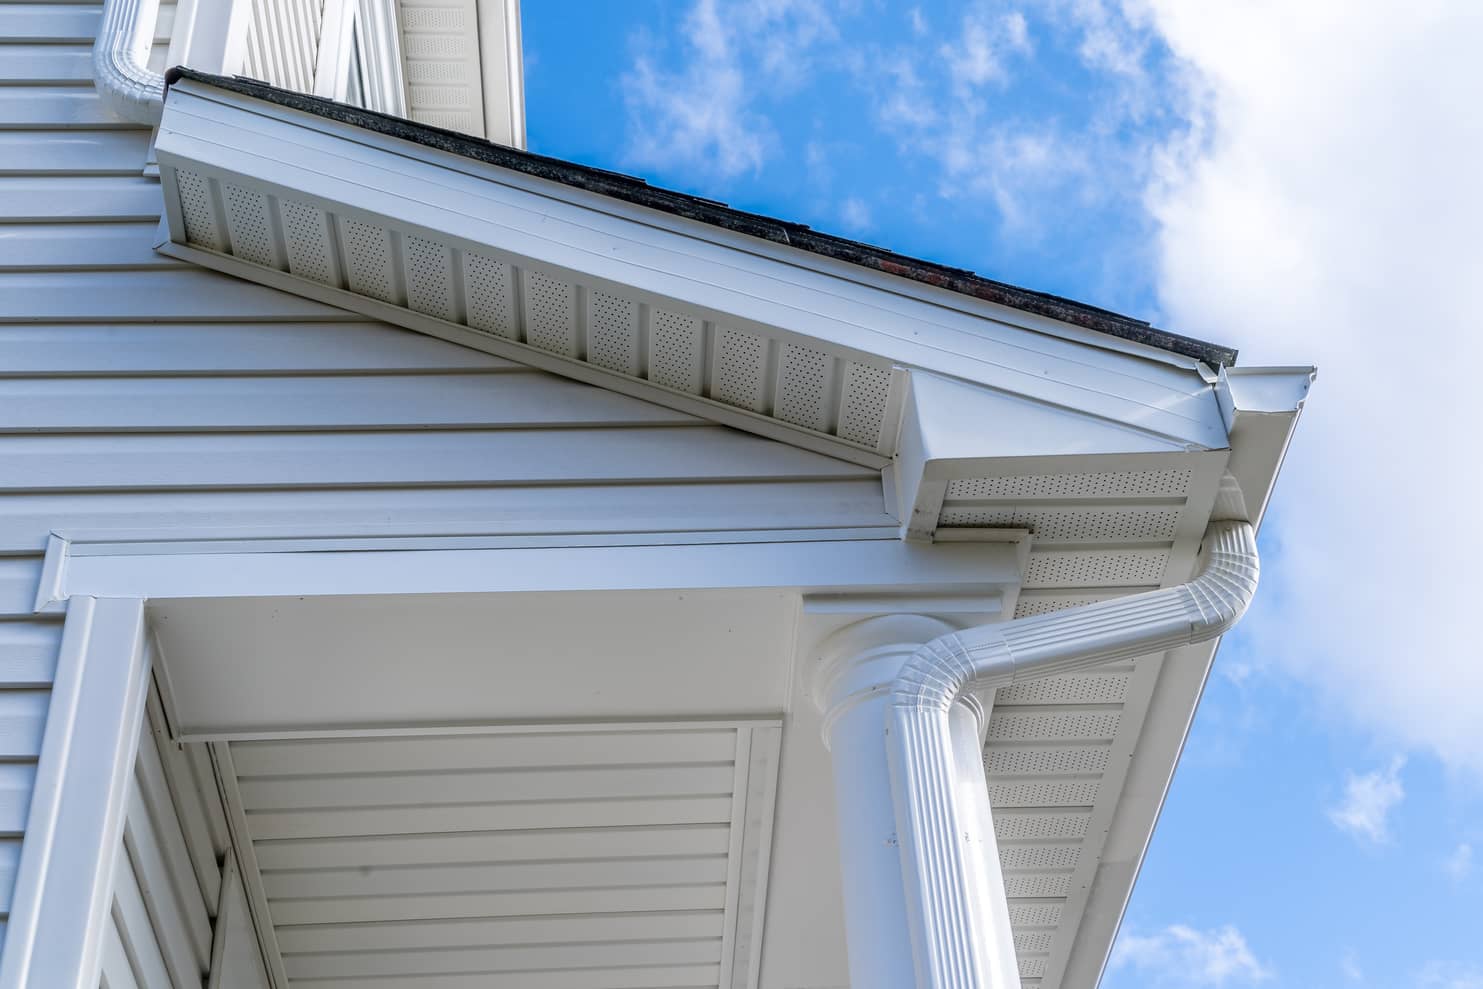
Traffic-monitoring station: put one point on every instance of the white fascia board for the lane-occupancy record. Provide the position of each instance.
(543, 223)
(838, 566)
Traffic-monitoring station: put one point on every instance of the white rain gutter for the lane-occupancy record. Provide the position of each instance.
(126, 84)
(947, 894)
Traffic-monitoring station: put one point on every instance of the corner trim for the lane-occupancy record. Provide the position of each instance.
(51, 594)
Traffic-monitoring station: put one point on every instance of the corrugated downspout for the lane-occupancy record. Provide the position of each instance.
(947, 936)
(126, 84)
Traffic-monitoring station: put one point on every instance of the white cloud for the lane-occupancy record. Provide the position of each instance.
(704, 114)
(1459, 865)
(1349, 965)
(1188, 957)
(1324, 208)
(1364, 810)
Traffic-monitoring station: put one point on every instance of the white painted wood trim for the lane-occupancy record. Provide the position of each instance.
(502, 71)
(507, 728)
(236, 959)
(375, 24)
(211, 35)
(64, 885)
(50, 597)
(838, 566)
(247, 868)
(84, 542)
(757, 781)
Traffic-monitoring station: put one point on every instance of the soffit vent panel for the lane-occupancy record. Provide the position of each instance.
(1054, 752)
(539, 857)
(849, 398)
(1170, 483)
(1046, 750)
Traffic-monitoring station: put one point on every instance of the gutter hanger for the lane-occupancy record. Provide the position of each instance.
(126, 84)
(946, 893)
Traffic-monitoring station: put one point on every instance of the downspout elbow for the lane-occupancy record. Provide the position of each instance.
(1227, 583)
(126, 85)
(938, 672)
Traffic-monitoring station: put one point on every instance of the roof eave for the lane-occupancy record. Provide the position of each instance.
(638, 192)
(857, 333)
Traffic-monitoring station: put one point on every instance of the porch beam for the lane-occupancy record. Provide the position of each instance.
(74, 833)
(839, 565)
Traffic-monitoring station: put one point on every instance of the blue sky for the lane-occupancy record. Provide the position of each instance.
(1298, 180)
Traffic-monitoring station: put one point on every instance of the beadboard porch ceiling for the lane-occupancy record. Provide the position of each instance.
(555, 856)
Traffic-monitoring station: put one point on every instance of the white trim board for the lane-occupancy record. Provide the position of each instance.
(74, 830)
(125, 570)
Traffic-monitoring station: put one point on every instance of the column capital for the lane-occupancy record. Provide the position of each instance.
(860, 661)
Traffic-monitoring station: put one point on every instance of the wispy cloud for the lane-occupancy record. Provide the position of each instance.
(703, 111)
(975, 57)
(955, 94)
(1349, 966)
(1364, 809)
(1459, 865)
(1184, 956)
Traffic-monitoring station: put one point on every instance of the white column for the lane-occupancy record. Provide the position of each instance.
(74, 832)
(852, 687)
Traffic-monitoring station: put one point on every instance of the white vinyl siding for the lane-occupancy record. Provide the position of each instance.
(283, 42)
(167, 881)
(139, 395)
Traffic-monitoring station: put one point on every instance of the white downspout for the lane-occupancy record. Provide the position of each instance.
(126, 84)
(953, 944)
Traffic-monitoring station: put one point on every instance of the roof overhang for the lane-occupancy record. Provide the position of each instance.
(296, 193)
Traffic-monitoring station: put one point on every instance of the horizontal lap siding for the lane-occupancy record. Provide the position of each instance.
(28, 661)
(166, 880)
(137, 393)
(143, 397)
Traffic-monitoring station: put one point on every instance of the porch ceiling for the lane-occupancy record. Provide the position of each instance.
(571, 858)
